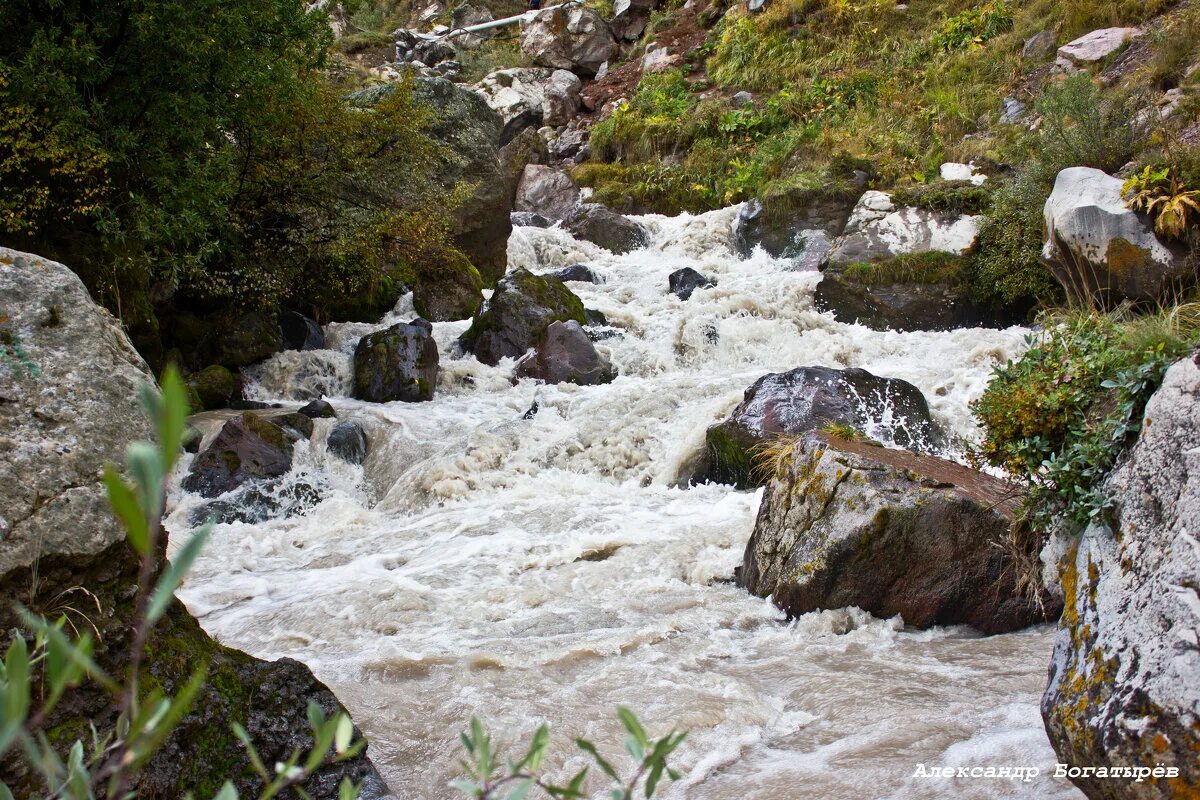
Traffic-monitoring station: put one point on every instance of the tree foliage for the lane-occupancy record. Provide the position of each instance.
(197, 147)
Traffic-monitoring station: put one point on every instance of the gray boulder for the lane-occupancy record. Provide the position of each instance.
(348, 441)
(1096, 46)
(400, 363)
(528, 219)
(547, 191)
(565, 354)
(574, 38)
(465, 16)
(1124, 689)
(1040, 46)
(847, 523)
(601, 226)
(471, 131)
(516, 315)
(517, 95)
(68, 383)
(561, 97)
(878, 230)
(807, 399)
(630, 18)
(68, 389)
(1099, 249)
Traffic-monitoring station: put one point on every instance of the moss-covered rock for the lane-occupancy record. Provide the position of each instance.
(400, 363)
(213, 387)
(449, 290)
(1124, 689)
(248, 448)
(519, 311)
(853, 524)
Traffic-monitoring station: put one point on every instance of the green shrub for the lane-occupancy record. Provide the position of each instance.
(928, 268)
(974, 27)
(1058, 419)
(952, 197)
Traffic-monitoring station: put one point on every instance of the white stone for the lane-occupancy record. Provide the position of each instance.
(1097, 45)
(962, 172)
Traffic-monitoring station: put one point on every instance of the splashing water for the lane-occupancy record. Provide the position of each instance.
(547, 569)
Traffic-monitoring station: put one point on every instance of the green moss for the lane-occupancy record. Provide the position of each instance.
(923, 268)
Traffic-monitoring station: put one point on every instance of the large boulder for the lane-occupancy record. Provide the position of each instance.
(449, 290)
(68, 383)
(599, 225)
(562, 94)
(348, 441)
(248, 448)
(574, 38)
(517, 95)
(855, 294)
(852, 524)
(565, 354)
(466, 16)
(1124, 689)
(878, 230)
(471, 132)
(212, 387)
(399, 363)
(799, 223)
(527, 148)
(68, 389)
(300, 332)
(1101, 250)
(517, 314)
(1096, 46)
(547, 191)
(807, 399)
(630, 18)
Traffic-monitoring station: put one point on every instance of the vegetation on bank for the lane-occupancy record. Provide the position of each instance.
(896, 91)
(198, 155)
(1059, 418)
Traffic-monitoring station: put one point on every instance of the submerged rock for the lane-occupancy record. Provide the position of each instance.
(248, 448)
(580, 273)
(318, 409)
(348, 441)
(1099, 249)
(683, 282)
(618, 234)
(1124, 689)
(565, 354)
(400, 363)
(520, 309)
(807, 399)
(853, 524)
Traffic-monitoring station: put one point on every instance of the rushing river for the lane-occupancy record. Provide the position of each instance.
(549, 568)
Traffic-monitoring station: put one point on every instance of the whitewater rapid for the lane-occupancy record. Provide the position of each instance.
(546, 568)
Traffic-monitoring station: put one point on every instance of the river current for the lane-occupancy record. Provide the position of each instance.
(548, 567)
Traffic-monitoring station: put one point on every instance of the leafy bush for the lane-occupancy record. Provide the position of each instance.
(200, 150)
(1161, 193)
(974, 27)
(952, 197)
(1059, 418)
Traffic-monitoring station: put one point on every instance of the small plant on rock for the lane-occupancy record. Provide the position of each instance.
(1159, 192)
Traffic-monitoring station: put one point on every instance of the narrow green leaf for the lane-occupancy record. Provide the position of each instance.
(145, 466)
(630, 721)
(521, 790)
(345, 730)
(590, 749)
(469, 788)
(125, 505)
(536, 753)
(173, 417)
(175, 573)
(227, 792)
